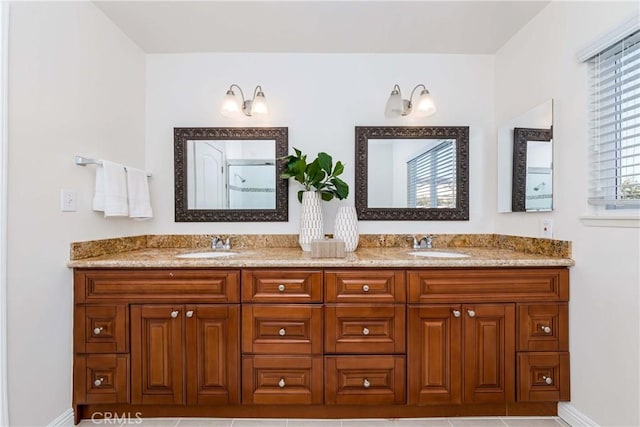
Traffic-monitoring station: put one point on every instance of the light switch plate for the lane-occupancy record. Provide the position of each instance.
(68, 200)
(546, 228)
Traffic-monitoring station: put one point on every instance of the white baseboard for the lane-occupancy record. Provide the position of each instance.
(573, 417)
(64, 420)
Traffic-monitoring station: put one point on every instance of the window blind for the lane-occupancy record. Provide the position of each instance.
(431, 178)
(614, 104)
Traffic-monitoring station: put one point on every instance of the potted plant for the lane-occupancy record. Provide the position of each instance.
(320, 181)
(320, 175)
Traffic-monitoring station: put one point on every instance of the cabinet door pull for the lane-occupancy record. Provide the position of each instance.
(471, 313)
(545, 329)
(174, 313)
(365, 331)
(281, 288)
(282, 332)
(98, 382)
(456, 313)
(190, 313)
(548, 380)
(365, 288)
(98, 330)
(281, 383)
(366, 383)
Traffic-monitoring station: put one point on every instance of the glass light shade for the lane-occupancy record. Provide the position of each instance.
(395, 106)
(259, 105)
(424, 106)
(230, 105)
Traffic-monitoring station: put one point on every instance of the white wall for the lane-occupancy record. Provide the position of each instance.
(320, 98)
(76, 86)
(537, 64)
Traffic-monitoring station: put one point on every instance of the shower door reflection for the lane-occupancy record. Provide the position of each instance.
(251, 184)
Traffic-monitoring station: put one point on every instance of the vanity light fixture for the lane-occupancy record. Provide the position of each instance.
(231, 106)
(397, 107)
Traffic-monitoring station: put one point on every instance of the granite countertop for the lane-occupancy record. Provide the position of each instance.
(295, 257)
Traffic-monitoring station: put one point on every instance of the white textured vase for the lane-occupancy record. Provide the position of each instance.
(311, 222)
(346, 227)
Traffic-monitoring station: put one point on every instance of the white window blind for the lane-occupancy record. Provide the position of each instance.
(431, 178)
(614, 82)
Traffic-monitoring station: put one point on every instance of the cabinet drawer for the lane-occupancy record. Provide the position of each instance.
(101, 379)
(282, 329)
(364, 380)
(101, 328)
(543, 327)
(543, 377)
(157, 285)
(303, 286)
(376, 286)
(487, 285)
(277, 380)
(351, 328)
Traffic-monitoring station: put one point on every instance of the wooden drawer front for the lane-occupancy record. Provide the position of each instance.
(277, 380)
(543, 377)
(101, 379)
(518, 284)
(158, 285)
(364, 380)
(282, 329)
(376, 286)
(282, 286)
(543, 327)
(351, 328)
(101, 329)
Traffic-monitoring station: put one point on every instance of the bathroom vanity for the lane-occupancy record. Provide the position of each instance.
(274, 333)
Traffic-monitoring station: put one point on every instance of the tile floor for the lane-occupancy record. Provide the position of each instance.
(411, 422)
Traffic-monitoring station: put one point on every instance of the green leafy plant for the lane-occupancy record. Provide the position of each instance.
(320, 175)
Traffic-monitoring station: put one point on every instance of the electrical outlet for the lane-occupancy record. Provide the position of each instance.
(68, 200)
(546, 228)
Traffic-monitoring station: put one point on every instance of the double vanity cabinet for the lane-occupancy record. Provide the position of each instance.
(320, 342)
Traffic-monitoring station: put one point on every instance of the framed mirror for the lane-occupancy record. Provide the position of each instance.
(525, 161)
(532, 170)
(412, 173)
(230, 174)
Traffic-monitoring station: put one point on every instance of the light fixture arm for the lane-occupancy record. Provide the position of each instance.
(239, 88)
(256, 91)
(414, 91)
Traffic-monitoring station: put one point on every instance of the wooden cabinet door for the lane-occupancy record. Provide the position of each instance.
(156, 354)
(489, 353)
(212, 339)
(434, 350)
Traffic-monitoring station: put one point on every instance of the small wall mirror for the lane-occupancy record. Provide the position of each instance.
(230, 174)
(525, 161)
(412, 173)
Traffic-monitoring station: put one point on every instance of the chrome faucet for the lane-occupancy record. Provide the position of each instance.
(218, 243)
(424, 243)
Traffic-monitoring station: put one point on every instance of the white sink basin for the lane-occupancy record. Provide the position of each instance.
(206, 255)
(439, 254)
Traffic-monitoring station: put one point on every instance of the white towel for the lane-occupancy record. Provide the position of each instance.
(111, 190)
(139, 198)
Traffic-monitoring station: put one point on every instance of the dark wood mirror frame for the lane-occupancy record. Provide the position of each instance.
(520, 138)
(459, 133)
(182, 214)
